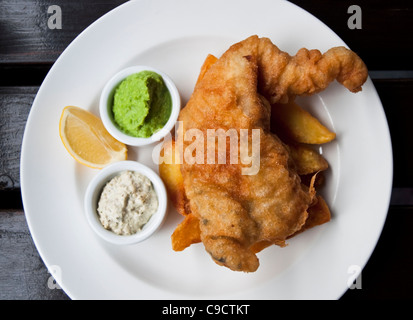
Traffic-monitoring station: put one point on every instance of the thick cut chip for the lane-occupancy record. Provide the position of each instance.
(292, 122)
(170, 173)
(318, 214)
(306, 159)
(186, 233)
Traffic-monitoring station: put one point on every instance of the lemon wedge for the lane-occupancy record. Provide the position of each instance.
(87, 140)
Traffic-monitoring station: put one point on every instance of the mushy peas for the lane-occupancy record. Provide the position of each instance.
(142, 104)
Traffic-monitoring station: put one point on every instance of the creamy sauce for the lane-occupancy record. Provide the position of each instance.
(127, 203)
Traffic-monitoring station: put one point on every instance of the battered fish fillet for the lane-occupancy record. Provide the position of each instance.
(239, 213)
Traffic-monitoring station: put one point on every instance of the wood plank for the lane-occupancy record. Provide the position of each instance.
(25, 36)
(15, 103)
(396, 98)
(23, 274)
(23, 74)
(384, 42)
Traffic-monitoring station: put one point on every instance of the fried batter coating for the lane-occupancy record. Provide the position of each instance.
(282, 77)
(241, 214)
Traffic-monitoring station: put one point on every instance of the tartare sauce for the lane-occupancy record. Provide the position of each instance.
(127, 202)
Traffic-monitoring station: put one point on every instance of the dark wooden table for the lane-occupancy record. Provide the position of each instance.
(28, 49)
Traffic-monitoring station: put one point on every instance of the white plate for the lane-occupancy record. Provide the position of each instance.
(175, 36)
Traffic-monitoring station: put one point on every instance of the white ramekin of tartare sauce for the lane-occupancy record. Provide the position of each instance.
(151, 194)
